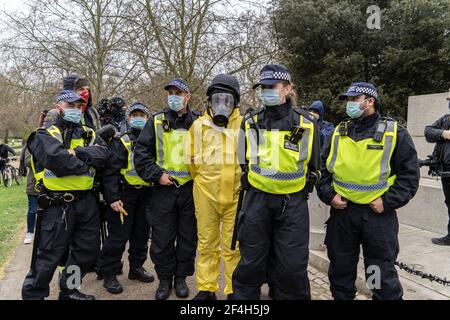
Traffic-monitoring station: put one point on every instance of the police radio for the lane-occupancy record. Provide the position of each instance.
(343, 129)
(381, 130)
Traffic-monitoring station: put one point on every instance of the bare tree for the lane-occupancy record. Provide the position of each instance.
(196, 39)
(129, 48)
(81, 36)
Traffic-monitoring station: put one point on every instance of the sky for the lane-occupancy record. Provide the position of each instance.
(14, 5)
(11, 5)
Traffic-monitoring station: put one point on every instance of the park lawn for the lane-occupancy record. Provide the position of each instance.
(13, 212)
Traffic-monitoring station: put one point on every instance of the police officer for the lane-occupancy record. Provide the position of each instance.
(160, 159)
(282, 148)
(370, 169)
(126, 195)
(90, 118)
(65, 156)
(439, 133)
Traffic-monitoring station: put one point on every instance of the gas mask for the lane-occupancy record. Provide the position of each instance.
(222, 106)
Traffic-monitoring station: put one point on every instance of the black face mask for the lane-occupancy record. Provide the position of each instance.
(221, 108)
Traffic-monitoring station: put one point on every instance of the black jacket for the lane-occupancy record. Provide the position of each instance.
(433, 134)
(4, 150)
(404, 164)
(145, 152)
(282, 118)
(112, 178)
(51, 154)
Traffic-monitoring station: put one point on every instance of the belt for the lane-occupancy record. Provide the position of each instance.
(51, 199)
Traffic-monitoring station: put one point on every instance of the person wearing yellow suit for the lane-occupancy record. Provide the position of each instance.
(216, 172)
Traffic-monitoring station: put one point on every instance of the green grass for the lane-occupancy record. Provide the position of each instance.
(13, 211)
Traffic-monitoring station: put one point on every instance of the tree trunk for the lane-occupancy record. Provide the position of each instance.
(6, 136)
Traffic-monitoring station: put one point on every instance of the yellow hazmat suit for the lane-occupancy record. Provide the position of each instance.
(216, 173)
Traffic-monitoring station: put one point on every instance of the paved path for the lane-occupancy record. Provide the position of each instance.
(10, 284)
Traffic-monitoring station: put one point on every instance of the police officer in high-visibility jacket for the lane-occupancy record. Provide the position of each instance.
(282, 150)
(370, 169)
(65, 156)
(160, 159)
(126, 195)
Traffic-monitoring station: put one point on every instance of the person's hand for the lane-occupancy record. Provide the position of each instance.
(446, 134)
(377, 206)
(339, 203)
(165, 180)
(117, 206)
(72, 153)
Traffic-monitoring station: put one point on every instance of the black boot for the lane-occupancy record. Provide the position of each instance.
(74, 295)
(163, 292)
(181, 288)
(112, 285)
(205, 296)
(141, 275)
(445, 241)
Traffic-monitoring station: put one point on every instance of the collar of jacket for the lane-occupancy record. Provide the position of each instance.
(176, 115)
(279, 112)
(366, 123)
(135, 133)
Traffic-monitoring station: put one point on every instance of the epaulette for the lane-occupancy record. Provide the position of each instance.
(167, 110)
(304, 113)
(253, 113)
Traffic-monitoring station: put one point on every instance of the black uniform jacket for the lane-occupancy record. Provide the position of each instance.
(53, 155)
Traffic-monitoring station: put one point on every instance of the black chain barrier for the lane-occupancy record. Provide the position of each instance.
(423, 275)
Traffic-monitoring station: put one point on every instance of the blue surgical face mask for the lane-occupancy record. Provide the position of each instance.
(176, 103)
(354, 110)
(72, 115)
(138, 123)
(270, 97)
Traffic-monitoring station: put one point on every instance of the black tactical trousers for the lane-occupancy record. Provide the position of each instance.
(135, 229)
(446, 188)
(274, 243)
(174, 231)
(347, 230)
(72, 228)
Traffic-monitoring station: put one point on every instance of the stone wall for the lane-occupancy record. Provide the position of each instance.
(427, 210)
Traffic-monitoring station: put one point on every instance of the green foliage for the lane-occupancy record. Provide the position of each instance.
(327, 45)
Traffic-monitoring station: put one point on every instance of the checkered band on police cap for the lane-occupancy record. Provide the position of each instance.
(364, 90)
(68, 96)
(275, 75)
